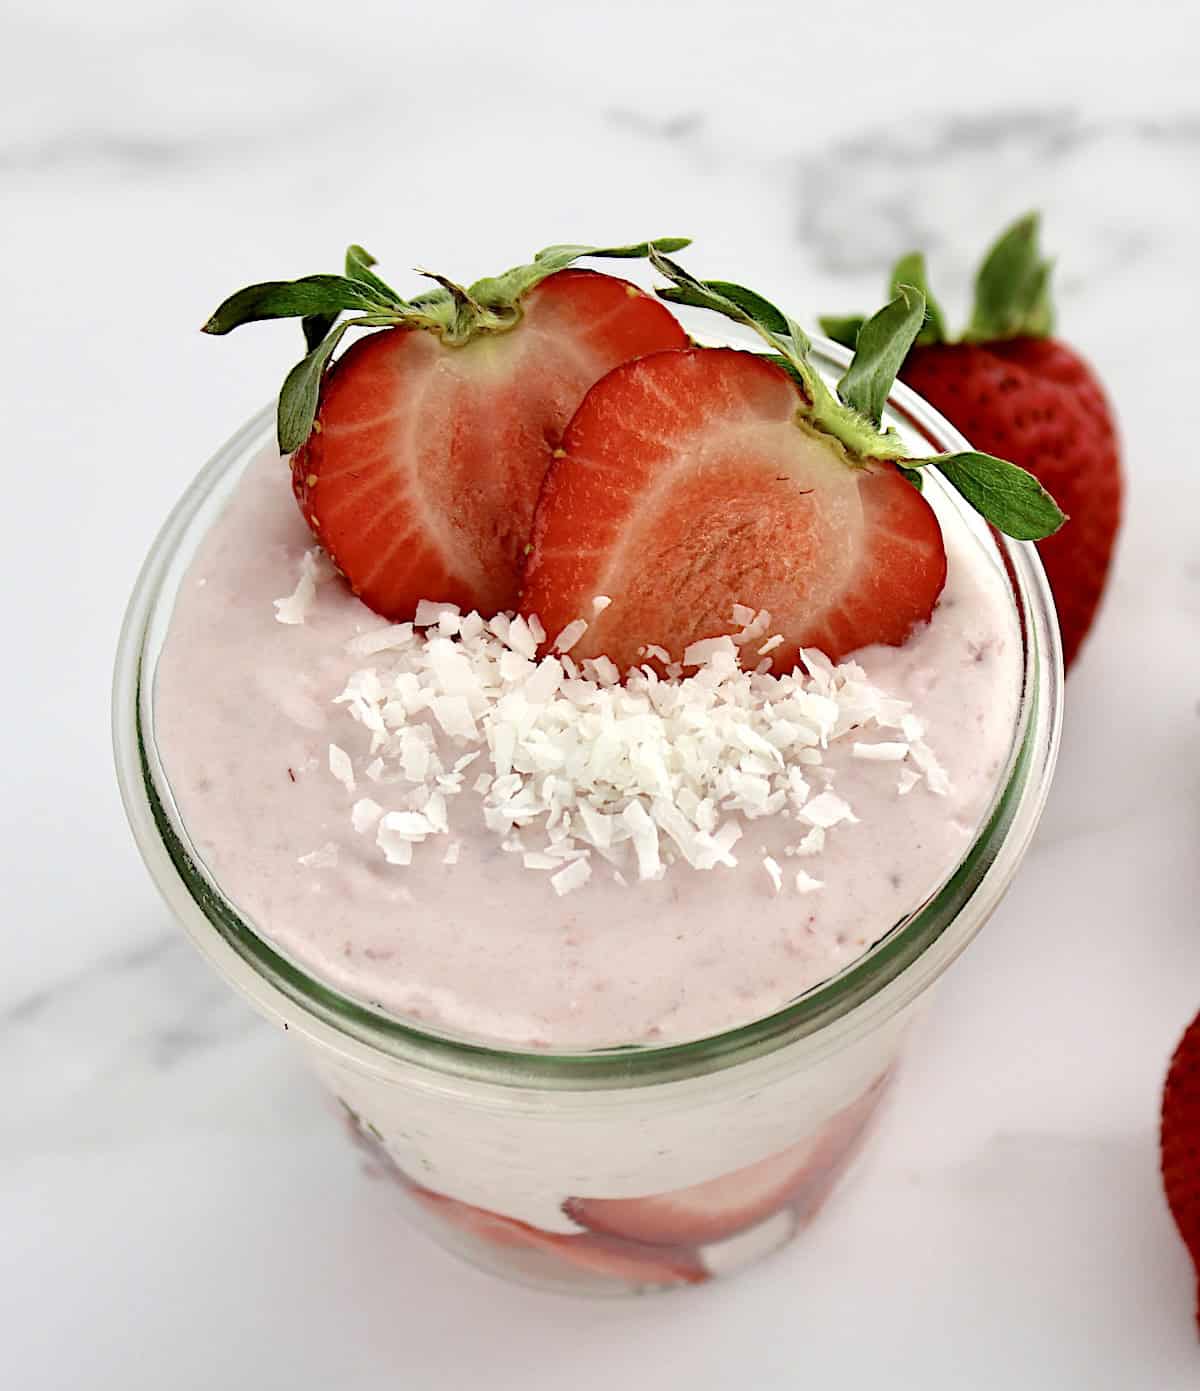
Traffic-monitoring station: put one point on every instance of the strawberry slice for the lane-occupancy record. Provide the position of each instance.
(1181, 1143)
(801, 1176)
(422, 473)
(690, 481)
(417, 458)
(600, 1255)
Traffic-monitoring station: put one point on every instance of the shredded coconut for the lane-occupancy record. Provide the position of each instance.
(908, 780)
(571, 765)
(315, 566)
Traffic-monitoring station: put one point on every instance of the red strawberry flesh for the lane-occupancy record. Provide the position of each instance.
(688, 484)
(1181, 1143)
(424, 466)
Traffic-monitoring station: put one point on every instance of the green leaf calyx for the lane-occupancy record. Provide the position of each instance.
(859, 436)
(881, 346)
(1006, 496)
(456, 314)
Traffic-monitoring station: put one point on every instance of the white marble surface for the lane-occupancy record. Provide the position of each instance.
(176, 1208)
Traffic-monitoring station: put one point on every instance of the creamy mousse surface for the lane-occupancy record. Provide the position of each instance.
(244, 716)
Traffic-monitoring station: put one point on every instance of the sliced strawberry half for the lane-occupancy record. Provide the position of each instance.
(616, 1260)
(1181, 1142)
(417, 457)
(424, 465)
(691, 481)
(802, 1175)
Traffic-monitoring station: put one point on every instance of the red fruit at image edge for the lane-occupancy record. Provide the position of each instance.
(1037, 402)
(1180, 1141)
(686, 485)
(424, 464)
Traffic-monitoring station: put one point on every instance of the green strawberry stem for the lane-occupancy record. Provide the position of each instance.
(1009, 498)
(456, 314)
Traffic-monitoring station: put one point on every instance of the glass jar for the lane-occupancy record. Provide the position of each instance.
(618, 1169)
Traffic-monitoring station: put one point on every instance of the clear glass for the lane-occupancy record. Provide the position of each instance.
(622, 1168)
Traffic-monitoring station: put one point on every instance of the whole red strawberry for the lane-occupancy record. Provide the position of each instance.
(1181, 1141)
(1014, 390)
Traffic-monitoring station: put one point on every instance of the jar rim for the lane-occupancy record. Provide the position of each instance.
(886, 977)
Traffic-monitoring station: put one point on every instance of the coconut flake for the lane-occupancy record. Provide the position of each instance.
(570, 635)
(908, 780)
(574, 876)
(454, 715)
(806, 884)
(324, 858)
(397, 847)
(430, 614)
(645, 840)
(935, 775)
(773, 870)
(812, 843)
(341, 767)
(700, 653)
(388, 639)
(365, 814)
(880, 753)
(825, 810)
(315, 566)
